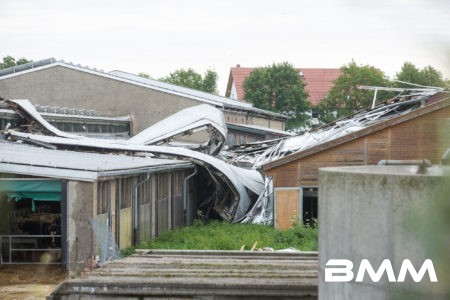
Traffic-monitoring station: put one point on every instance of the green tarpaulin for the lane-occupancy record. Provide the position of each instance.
(37, 190)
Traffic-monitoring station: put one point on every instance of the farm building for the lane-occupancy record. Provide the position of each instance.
(111, 94)
(411, 129)
(87, 195)
(51, 200)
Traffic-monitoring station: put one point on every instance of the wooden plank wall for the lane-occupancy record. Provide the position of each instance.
(144, 227)
(287, 207)
(425, 137)
(160, 198)
(126, 227)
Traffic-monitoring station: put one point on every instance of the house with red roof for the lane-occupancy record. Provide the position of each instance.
(318, 82)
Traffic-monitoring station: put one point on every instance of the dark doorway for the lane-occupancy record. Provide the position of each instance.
(310, 207)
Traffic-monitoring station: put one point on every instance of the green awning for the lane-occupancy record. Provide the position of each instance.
(37, 190)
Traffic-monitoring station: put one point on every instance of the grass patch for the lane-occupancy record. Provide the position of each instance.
(218, 235)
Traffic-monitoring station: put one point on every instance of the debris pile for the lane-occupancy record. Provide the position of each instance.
(258, 154)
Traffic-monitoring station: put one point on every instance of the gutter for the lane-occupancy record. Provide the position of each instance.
(156, 169)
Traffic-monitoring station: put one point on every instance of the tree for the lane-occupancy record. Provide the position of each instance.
(279, 88)
(191, 79)
(145, 75)
(345, 98)
(9, 61)
(427, 76)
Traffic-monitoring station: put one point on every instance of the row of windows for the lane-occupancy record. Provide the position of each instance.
(96, 128)
(73, 126)
(236, 119)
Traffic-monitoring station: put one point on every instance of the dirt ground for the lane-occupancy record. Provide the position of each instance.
(29, 282)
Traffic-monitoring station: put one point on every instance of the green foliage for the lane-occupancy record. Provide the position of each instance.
(9, 61)
(279, 88)
(191, 79)
(225, 236)
(345, 98)
(145, 75)
(427, 76)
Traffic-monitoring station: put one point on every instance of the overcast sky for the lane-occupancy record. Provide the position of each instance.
(160, 36)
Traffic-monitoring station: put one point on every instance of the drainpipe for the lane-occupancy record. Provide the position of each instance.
(185, 196)
(423, 164)
(135, 209)
(406, 162)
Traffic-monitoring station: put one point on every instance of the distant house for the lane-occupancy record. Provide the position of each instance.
(318, 82)
(410, 130)
(116, 93)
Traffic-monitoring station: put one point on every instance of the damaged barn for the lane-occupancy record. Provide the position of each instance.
(138, 188)
(411, 127)
(234, 189)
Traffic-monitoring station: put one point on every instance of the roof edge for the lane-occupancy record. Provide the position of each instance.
(97, 72)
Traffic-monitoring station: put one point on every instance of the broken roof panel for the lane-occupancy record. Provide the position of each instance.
(258, 129)
(28, 111)
(272, 153)
(185, 122)
(239, 180)
(352, 126)
(182, 123)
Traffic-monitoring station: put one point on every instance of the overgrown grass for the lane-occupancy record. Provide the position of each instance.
(225, 236)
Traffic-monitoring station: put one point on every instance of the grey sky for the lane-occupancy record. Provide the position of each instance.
(160, 36)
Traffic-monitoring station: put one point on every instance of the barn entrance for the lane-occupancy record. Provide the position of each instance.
(30, 221)
(295, 205)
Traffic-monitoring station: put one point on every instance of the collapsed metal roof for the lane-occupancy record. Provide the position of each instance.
(265, 153)
(236, 189)
(187, 122)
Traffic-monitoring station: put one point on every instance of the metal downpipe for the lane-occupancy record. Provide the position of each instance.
(135, 209)
(185, 196)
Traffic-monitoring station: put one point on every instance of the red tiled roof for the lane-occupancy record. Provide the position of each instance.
(238, 75)
(318, 81)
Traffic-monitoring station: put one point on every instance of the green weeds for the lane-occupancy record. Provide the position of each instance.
(225, 236)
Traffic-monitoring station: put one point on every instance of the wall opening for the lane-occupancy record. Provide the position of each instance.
(310, 205)
(30, 221)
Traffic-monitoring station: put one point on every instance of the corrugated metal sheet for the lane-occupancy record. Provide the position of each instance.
(182, 123)
(258, 129)
(23, 159)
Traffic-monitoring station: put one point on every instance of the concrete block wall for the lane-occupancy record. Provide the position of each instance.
(376, 213)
